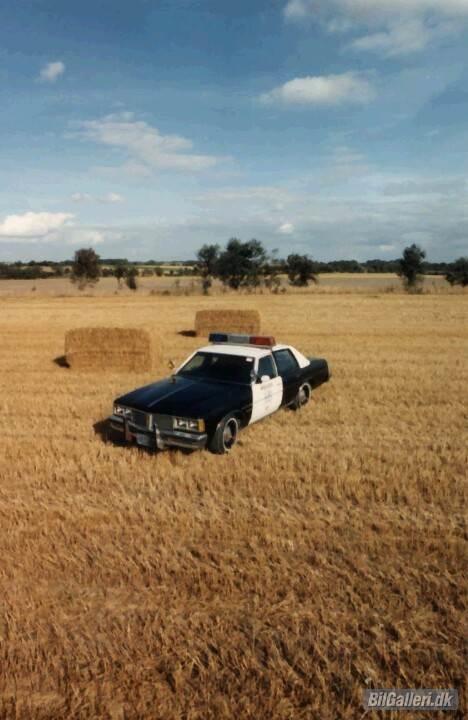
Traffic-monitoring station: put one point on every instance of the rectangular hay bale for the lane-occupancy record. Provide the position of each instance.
(235, 321)
(123, 349)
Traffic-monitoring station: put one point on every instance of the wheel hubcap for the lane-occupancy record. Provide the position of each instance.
(230, 434)
(304, 394)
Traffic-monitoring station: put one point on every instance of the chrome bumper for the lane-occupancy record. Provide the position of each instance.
(157, 439)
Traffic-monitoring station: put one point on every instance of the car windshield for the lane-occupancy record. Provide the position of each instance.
(218, 366)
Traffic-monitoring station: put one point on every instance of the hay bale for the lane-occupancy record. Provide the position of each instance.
(235, 321)
(123, 349)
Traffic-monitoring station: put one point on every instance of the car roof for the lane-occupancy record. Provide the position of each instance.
(240, 350)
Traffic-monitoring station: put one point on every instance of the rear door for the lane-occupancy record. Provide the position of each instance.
(290, 373)
(267, 395)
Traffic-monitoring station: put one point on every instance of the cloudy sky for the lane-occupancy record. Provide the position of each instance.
(146, 128)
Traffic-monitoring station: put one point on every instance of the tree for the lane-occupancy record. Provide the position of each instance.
(271, 272)
(120, 272)
(458, 273)
(207, 259)
(86, 269)
(58, 271)
(301, 270)
(131, 277)
(241, 264)
(411, 266)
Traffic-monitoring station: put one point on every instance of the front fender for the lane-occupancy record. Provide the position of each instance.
(214, 418)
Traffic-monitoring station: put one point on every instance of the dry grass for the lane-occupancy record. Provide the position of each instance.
(109, 349)
(227, 320)
(325, 555)
(335, 283)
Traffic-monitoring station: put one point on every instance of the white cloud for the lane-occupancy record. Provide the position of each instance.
(84, 236)
(349, 87)
(274, 196)
(112, 198)
(144, 145)
(52, 71)
(296, 9)
(345, 156)
(376, 8)
(344, 163)
(135, 169)
(81, 197)
(33, 224)
(391, 27)
(400, 38)
(253, 203)
(132, 170)
(286, 229)
(436, 186)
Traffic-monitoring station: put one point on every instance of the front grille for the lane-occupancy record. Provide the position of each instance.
(140, 419)
(163, 422)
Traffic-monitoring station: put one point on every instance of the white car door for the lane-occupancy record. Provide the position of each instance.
(267, 394)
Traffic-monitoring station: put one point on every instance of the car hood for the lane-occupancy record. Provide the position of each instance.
(183, 397)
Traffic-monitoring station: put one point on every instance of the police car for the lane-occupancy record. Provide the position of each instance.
(220, 389)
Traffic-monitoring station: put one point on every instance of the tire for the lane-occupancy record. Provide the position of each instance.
(113, 436)
(303, 396)
(225, 436)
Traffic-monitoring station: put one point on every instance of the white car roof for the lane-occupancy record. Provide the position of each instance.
(252, 351)
(240, 350)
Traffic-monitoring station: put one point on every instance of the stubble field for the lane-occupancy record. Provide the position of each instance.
(323, 556)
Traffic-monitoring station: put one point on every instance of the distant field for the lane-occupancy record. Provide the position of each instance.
(325, 555)
(334, 282)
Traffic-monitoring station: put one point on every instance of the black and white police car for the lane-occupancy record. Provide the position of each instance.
(219, 389)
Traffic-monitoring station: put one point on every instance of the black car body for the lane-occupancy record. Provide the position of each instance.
(218, 390)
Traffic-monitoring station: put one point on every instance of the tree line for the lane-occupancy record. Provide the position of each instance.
(238, 265)
(247, 265)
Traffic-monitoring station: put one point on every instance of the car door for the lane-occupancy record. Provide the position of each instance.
(290, 373)
(267, 394)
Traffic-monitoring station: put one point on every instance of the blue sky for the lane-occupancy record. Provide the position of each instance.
(336, 128)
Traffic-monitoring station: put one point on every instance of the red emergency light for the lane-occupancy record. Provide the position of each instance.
(265, 340)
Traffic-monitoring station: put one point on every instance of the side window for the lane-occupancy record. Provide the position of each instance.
(266, 367)
(286, 362)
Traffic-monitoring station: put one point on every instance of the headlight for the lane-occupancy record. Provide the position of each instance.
(121, 411)
(187, 424)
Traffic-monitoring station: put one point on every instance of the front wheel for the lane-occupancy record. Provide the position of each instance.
(225, 436)
(303, 396)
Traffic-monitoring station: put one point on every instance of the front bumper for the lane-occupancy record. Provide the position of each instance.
(157, 439)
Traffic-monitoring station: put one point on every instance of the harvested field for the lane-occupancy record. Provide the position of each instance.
(124, 349)
(235, 321)
(325, 555)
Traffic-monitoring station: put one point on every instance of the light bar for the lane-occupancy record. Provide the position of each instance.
(259, 340)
